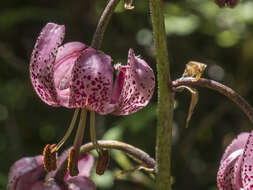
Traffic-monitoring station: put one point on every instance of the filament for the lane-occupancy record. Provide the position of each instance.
(70, 129)
(93, 132)
(78, 140)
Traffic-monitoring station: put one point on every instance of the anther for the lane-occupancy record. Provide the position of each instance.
(103, 162)
(49, 158)
(72, 162)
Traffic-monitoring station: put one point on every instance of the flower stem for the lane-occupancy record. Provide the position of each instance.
(165, 98)
(221, 88)
(102, 24)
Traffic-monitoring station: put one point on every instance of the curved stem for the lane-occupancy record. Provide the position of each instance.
(165, 98)
(138, 154)
(102, 24)
(225, 90)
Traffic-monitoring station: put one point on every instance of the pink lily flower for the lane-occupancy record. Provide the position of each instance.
(236, 166)
(75, 76)
(25, 174)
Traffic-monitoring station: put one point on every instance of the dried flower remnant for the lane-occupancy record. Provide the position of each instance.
(129, 4)
(194, 100)
(194, 69)
(236, 166)
(74, 75)
(226, 3)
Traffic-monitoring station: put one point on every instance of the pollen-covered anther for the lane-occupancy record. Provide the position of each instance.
(103, 162)
(49, 157)
(72, 162)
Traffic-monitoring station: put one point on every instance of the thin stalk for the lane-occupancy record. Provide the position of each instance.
(70, 129)
(93, 132)
(80, 131)
(102, 24)
(165, 98)
(73, 159)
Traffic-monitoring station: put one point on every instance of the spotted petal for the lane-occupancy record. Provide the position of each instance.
(24, 173)
(43, 60)
(247, 164)
(237, 172)
(134, 86)
(238, 143)
(65, 60)
(91, 81)
(225, 177)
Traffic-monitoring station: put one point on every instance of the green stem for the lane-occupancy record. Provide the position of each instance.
(102, 24)
(165, 98)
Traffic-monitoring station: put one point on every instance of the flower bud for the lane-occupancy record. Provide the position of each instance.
(226, 3)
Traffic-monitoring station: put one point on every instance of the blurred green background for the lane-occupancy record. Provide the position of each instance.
(196, 29)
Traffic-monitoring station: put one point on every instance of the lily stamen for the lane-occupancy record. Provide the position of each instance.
(93, 133)
(70, 129)
(78, 140)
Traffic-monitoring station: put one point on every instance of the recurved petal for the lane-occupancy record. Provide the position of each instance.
(43, 60)
(237, 172)
(65, 59)
(238, 143)
(24, 173)
(80, 182)
(91, 81)
(247, 164)
(226, 174)
(134, 86)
